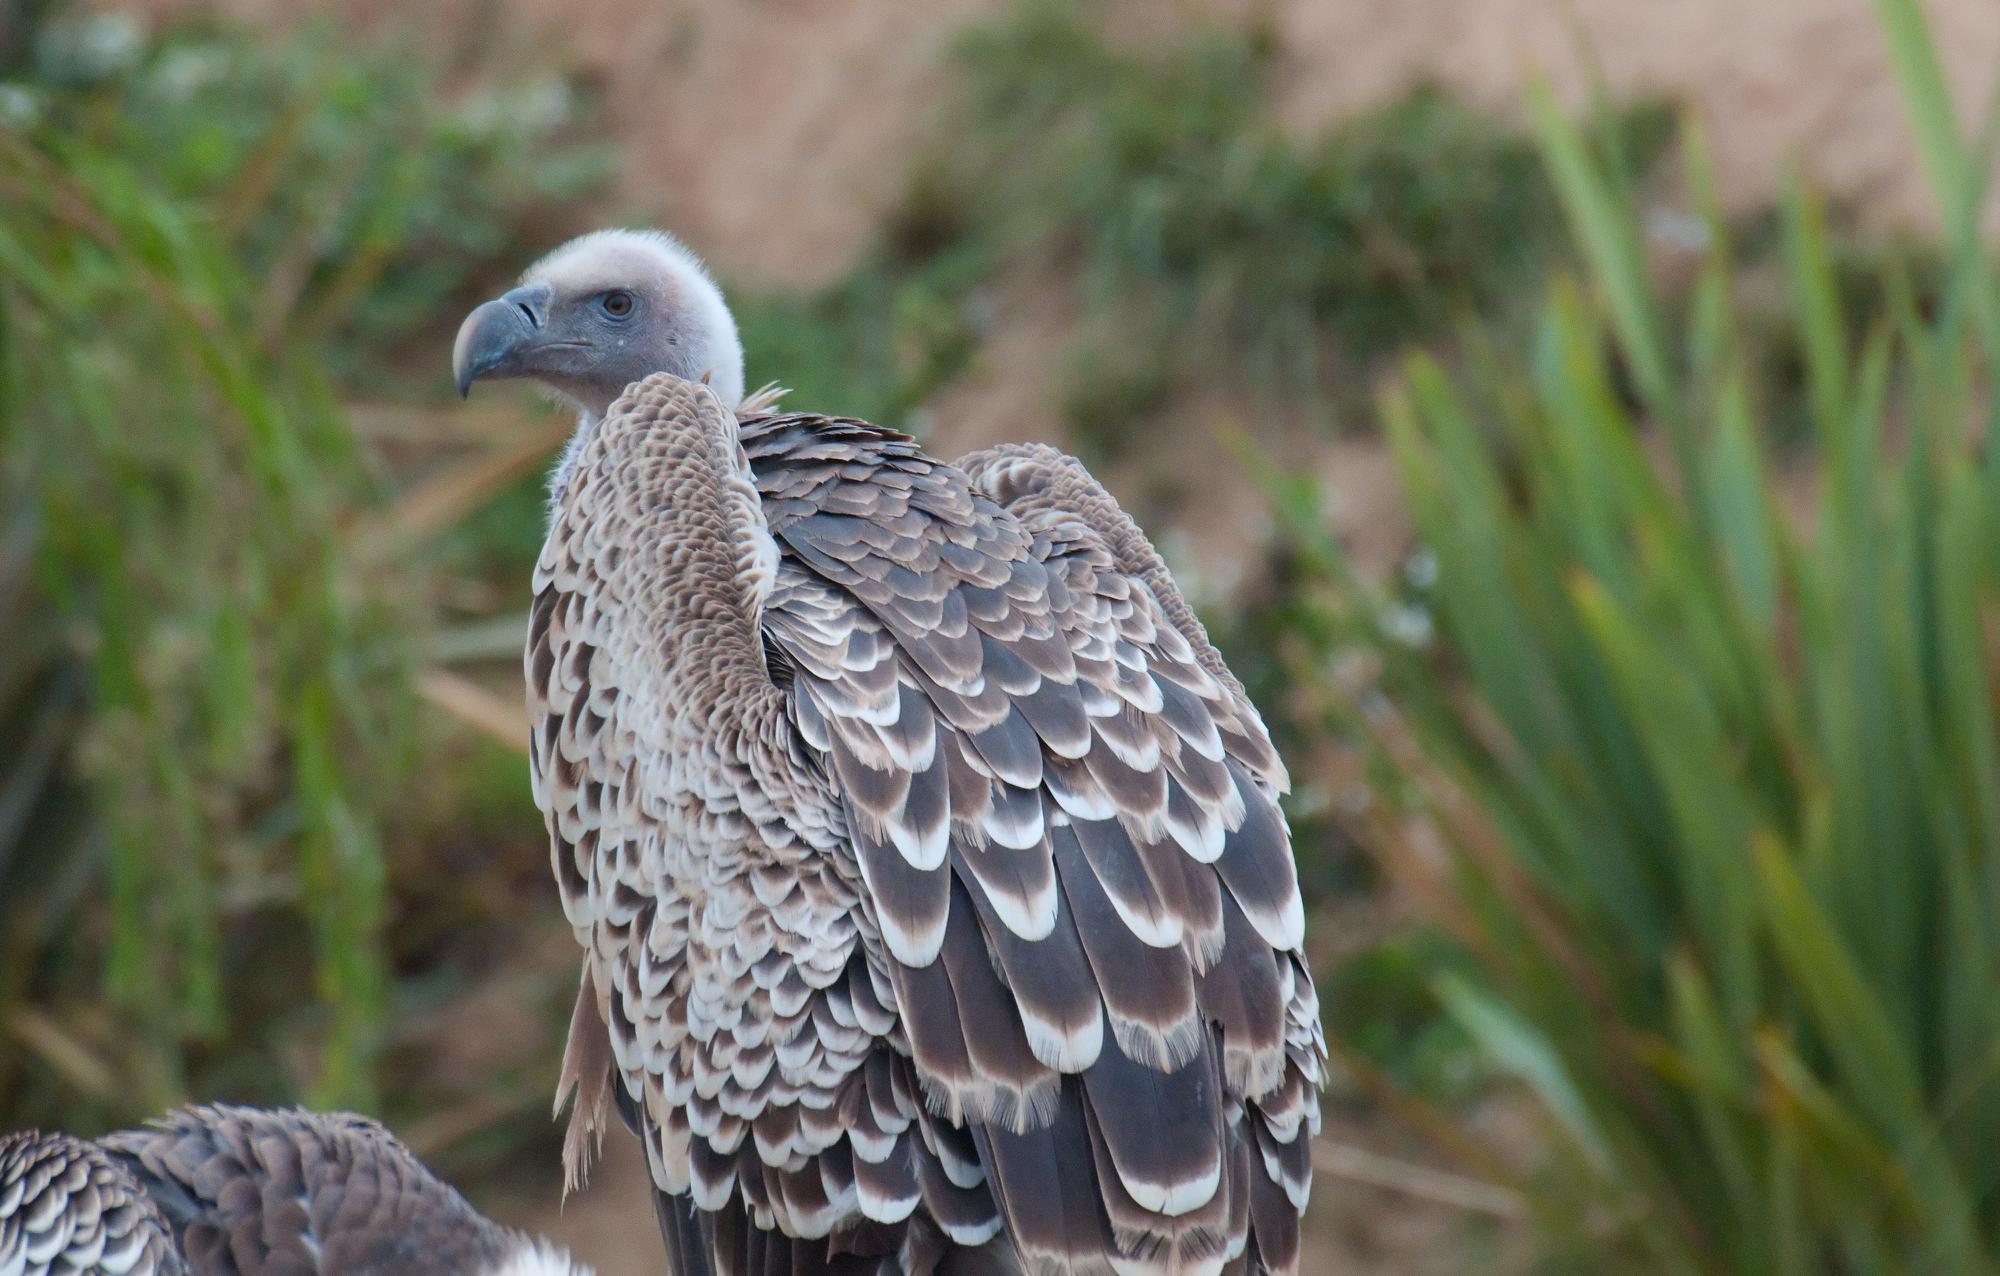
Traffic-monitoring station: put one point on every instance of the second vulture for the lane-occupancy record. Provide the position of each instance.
(938, 912)
(229, 1191)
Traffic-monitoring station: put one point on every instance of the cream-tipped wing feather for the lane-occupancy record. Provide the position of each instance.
(68, 1209)
(229, 1191)
(287, 1192)
(927, 859)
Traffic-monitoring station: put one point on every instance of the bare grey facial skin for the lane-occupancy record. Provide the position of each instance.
(598, 314)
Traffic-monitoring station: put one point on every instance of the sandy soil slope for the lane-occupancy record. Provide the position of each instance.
(771, 132)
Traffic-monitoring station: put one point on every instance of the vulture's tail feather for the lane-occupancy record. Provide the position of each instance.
(680, 1228)
(680, 1224)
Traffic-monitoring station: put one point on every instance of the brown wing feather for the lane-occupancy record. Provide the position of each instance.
(252, 1192)
(1252, 984)
(66, 1207)
(1106, 782)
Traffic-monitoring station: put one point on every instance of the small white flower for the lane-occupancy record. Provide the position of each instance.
(529, 109)
(95, 47)
(1421, 569)
(189, 69)
(1407, 624)
(20, 106)
(1673, 228)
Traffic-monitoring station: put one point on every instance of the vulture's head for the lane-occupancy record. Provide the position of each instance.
(601, 312)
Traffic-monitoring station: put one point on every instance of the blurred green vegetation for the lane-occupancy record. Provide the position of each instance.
(878, 342)
(182, 629)
(206, 690)
(359, 196)
(1705, 727)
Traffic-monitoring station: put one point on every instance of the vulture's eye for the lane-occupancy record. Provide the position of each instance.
(616, 304)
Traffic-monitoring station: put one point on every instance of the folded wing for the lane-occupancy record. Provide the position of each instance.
(1065, 813)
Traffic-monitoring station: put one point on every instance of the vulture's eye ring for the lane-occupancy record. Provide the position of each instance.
(617, 304)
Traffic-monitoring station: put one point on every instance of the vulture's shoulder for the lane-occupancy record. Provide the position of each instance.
(809, 465)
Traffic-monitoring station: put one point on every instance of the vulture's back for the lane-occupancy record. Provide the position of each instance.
(257, 1192)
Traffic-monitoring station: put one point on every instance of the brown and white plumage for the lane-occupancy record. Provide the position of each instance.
(67, 1209)
(230, 1191)
(927, 860)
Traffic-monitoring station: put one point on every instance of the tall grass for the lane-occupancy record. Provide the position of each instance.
(358, 190)
(178, 493)
(206, 625)
(1707, 735)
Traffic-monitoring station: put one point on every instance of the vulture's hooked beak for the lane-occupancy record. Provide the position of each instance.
(497, 337)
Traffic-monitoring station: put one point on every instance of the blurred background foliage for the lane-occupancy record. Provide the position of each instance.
(1694, 757)
(209, 241)
(1648, 796)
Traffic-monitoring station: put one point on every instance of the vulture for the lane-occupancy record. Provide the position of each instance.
(230, 1191)
(938, 913)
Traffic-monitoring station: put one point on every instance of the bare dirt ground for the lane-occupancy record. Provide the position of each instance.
(773, 133)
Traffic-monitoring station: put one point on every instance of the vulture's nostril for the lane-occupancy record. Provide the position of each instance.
(533, 301)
